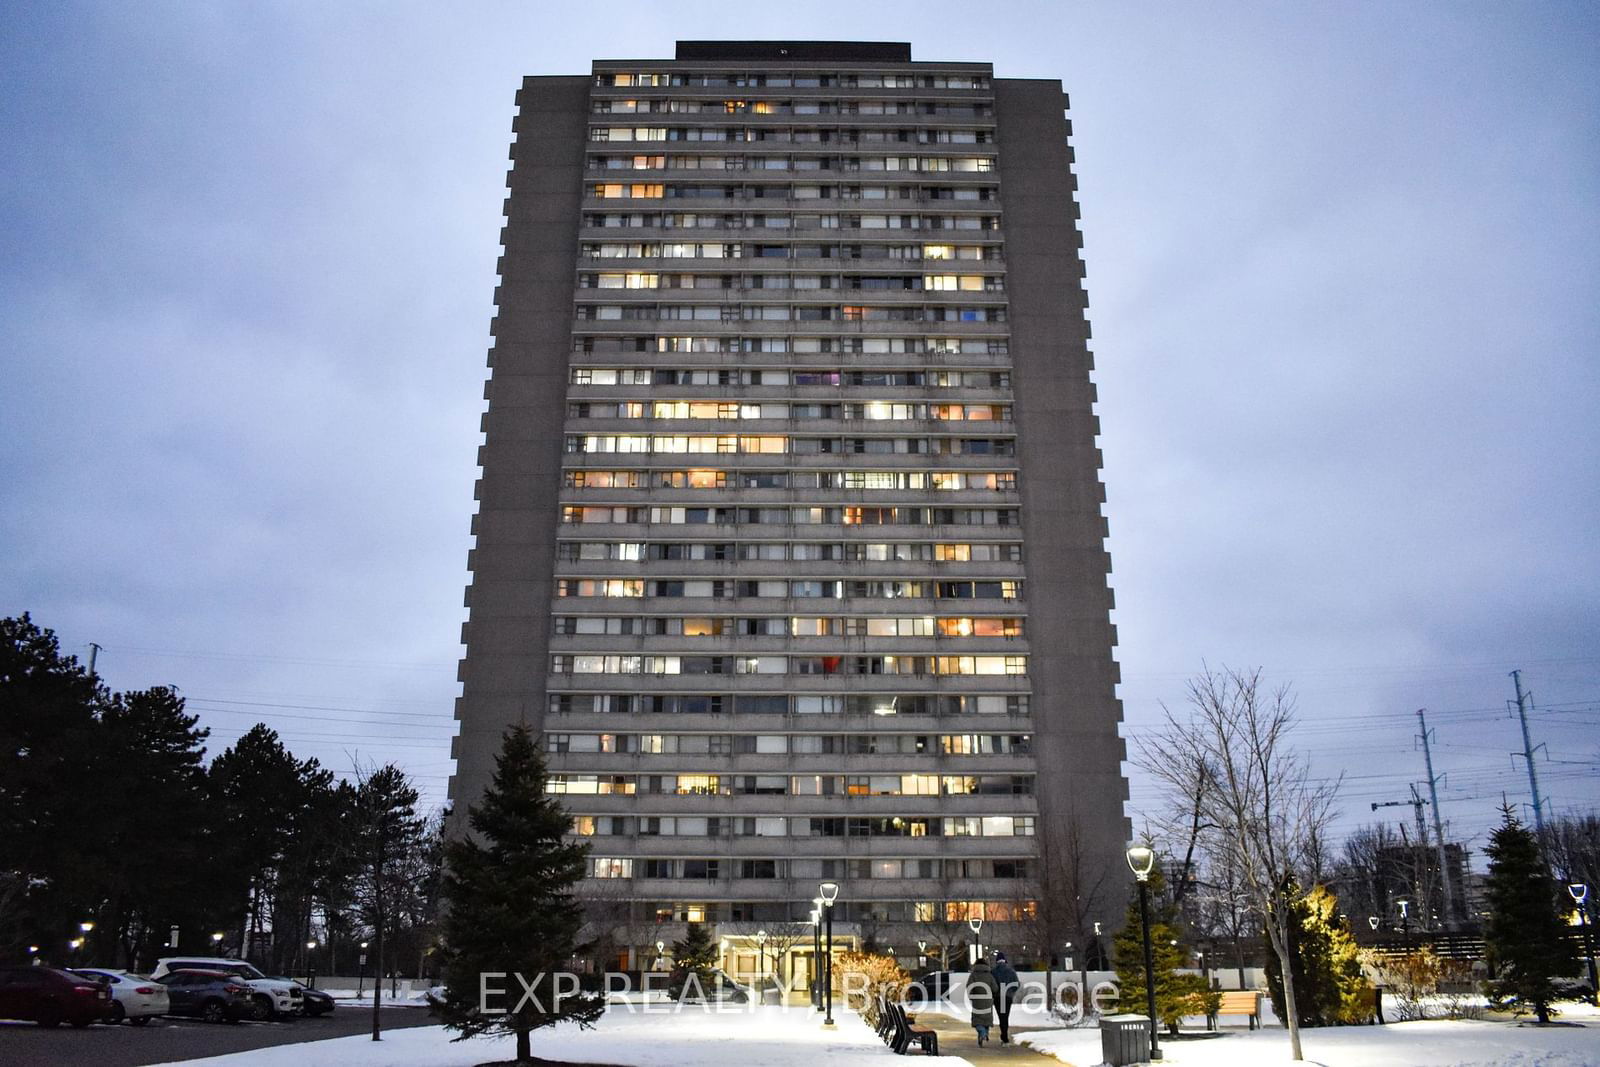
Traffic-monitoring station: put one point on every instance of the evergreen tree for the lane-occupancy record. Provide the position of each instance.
(50, 812)
(510, 907)
(160, 873)
(258, 788)
(1329, 987)
(388, 833)
(1177, 995)
(1525, 936)
(694, 963)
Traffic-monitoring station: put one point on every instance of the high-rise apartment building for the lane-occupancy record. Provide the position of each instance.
(790, 536)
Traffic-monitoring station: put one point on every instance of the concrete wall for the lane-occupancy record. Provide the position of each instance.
(508, 601)
(1074, 675)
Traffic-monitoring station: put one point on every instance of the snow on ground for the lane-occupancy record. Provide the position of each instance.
(1435, 1043)
(663, 1036)
(349, 998)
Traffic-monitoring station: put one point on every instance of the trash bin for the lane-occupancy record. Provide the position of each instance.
(1124, 1039)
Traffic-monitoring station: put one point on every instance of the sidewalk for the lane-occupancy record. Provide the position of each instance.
(960, 1039)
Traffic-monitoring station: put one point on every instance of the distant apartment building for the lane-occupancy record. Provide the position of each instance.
(790, 539)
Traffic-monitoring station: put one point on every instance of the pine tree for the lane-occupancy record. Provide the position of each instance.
(1177, 995)
(1328, 983)
(694, 963)
(510, 905)
(1525, 937)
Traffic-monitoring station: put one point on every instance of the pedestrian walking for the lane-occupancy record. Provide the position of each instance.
(1007, 984)
(981, 994)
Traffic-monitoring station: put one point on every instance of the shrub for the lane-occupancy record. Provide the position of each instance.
(866, 976)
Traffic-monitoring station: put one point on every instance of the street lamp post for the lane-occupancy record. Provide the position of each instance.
(830, 893)
(311, 973)
(922, 953)
(761, 951)
(85, 927)
(977, 944)
(816, 954)
(1405, 925)
(1579, 891)
(361, 972)
(1141, 859)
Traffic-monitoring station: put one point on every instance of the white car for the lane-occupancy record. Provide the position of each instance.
(269, 997)
(135, 997)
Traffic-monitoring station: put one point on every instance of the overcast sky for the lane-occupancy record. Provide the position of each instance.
(1343, 271)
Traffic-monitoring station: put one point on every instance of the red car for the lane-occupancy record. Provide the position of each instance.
(51, 997)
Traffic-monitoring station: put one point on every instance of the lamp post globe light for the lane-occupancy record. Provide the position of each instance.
(761, 949)
(1579, 892)
(1141, 859)
(977, 945)
(361, 969)
(829, 892)
(1373, 921)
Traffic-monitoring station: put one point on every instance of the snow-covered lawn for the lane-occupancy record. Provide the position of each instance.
(767, 1036)
(1435, 1043)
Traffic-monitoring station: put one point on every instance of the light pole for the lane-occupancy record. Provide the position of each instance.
(1405, 925)
(311, 974)
(977, 945)
(1141, 859)
(1373, 921)
(216, 942)
(761, 950)
(922, 953)
(661, 952)
(33, 955)
(830, 893)
(85, 927)
(1579, 891)
(816, 953)
(361, 969)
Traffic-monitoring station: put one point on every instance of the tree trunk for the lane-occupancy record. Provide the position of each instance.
(1293, 1020)
(524, 1050)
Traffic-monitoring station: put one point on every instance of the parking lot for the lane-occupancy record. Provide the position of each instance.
(167, 1039)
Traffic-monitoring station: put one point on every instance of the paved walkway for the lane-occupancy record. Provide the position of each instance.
(960, 1039)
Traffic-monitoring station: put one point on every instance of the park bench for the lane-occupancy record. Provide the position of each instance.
(905, 1033)
(1243, 1002)
(882, 1019)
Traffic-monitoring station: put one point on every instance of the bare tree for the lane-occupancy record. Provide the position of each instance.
(1266, 811)
(1183, 769)
(1074, 882)
(781, 939)
(1572, 844)
(1221, 911)
(945, 929)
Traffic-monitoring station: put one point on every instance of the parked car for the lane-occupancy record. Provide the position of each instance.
(269, 997)
(928, 986)
(51, 997)
(313, 1002)
(135, 997)
(214, 996)
(720, 988)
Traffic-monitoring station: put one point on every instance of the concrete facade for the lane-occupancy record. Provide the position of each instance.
(789, 536)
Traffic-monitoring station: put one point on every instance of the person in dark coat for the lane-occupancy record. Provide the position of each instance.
(981, 996)
(1007, 984)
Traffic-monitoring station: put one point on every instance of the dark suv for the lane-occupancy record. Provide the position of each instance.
(215, 996)
(50, 997)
